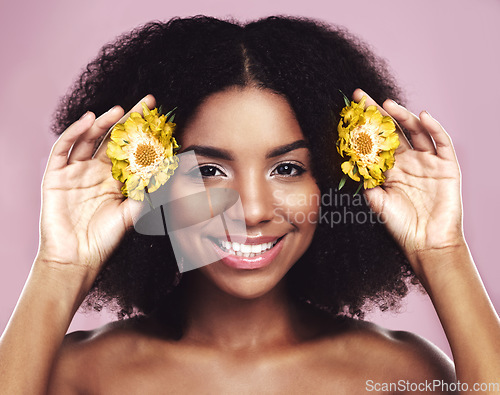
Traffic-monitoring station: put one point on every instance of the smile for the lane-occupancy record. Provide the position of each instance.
(245, 250)
(248, 255)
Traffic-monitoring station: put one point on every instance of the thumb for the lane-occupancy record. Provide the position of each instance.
(130, 211)
(376, 198)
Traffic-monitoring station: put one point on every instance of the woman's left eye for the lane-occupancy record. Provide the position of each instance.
(210, 171)
(288, 170)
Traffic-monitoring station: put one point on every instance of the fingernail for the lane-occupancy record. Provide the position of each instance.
(427, 112)
(84, 115)
(113, 108)
(394, 102)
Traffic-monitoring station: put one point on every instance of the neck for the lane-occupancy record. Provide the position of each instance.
(216, 318)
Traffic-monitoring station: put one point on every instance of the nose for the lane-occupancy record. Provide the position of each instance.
(257, 200)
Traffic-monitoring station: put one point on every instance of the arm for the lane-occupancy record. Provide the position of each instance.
(83, 218)
(420, 203)
(465, 311)
(37, 327)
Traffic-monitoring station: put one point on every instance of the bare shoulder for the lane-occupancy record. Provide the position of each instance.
(85, 356)
(384, 355)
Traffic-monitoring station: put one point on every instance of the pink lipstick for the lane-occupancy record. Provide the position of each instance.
(254, 253)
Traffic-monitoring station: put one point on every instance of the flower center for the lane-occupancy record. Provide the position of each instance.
(364, 143)
(145, 155)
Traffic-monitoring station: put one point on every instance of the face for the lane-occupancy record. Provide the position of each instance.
(248, 140)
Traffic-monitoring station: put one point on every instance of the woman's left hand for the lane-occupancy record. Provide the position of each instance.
(420, 200)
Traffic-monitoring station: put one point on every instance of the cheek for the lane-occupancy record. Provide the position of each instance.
(299, 204)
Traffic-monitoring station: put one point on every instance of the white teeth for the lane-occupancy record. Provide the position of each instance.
(246, 250)
(256, 248)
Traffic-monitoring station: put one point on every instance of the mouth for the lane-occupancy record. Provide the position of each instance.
(246, 250)
(248, 255)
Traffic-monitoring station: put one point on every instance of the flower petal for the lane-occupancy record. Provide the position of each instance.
(114, 151)
(119, 170)
(120, 136)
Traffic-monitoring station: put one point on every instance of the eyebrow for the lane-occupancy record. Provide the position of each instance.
(211, 152)
(283, 149)
(219, 153)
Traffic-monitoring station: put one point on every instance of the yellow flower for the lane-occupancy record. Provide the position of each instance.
(142, 151)
(369, 140)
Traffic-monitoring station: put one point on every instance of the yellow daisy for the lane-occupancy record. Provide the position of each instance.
(369, 140)
(142, 151)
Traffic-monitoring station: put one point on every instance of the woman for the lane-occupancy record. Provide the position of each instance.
(259, 106)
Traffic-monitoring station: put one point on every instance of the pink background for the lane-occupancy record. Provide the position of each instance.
(444, 53)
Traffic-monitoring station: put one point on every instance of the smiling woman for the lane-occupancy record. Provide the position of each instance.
(277, 310)
(259, 157)
(368, 264)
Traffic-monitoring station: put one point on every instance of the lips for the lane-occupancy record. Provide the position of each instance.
(254, 253)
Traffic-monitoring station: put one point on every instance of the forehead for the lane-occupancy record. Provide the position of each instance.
(243, 118)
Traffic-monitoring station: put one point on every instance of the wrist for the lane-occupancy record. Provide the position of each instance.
(68, 282)
(439, 265)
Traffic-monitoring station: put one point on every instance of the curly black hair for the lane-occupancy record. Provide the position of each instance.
(351, 264)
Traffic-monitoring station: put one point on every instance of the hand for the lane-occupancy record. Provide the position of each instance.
(84, 214)
(420, 201)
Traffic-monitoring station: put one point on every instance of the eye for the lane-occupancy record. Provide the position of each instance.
(288, 170)
(210, 171)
